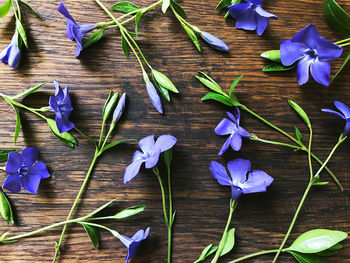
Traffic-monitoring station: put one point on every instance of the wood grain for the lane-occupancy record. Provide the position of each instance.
(201, 204)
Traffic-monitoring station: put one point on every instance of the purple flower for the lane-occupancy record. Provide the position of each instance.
(149, 155)
(345, 110)
(154, 97)
(133, 243)
(24, 169)
(232, 128)
(62, 106)
(214, 42)
(119, 109)
(312, 51)
(251, 16)
(11, 54)
(74, 31)
(242, 180)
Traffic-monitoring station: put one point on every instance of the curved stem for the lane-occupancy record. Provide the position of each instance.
(342, 41)
(86, 136)
(256, 255)
(82, 188)
(256, 138)
(14, 102)
(156, 172)
(344, 45)
(171, 216)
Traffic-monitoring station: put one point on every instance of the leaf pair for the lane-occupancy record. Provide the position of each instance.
(275, 57)
(5, 208)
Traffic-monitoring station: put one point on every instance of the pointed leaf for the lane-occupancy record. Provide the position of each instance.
(337, 17)
(22, 32)
(234, 84)
(95, 37)
(306, 258)
(66, 138)
(130, 211)
(346, 61)
(125, 47)
(217, 97)
(211, 85)
(203, 75)
(5, 8)
(192, 36)
(125, 7)
(168, 157)
(32, 9)
(164, 92)
(107, 104)
(223, 4)
(5, 208)
(165, 5)
(113, 144)
(331, 251)
(4, 154)
(18, 125)
(178, 9)
(137, 22)
(229, 242)
(29, 91)
(274, 67)
(93, 233)
(317, 240)
(164, 81)
(301, 112)
(99, 209)
(298, 134)
(206, 252)
(273, 55)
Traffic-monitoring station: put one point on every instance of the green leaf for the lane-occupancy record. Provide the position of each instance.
(164, 92)
(306, 258)
(331, 251)
(113, 144)
(130, 211)
(298, 134)
(206, 252)
(95, 37)
(137, 22)
(93, 234)
(223, 4)
(316, 181)
(18, 125)
(229, 242)
(125, 47)
(5, 208)
(206, 76)
(22, 32)
(217, 97)
(4, 154)
(234, 84)
(99, 209)
(346, 61)
(125, 7)
(275, 67)
(317, 240)
(168, 157)
(109, 105)
(211, 84)
(5, 8)
(273, 55)
(165, 5)
(192, 36)
(337, 17)
(31, 9)
(178, 9)
(29, 91)
(163, 81)
(301, 112)
(66, 138)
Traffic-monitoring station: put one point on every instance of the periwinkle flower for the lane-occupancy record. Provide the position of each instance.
(133, 243)
(214, 42)
(150, 154)
(118, 112)
(25, 169)
(232, 128)
(312, 53)
(75, 31)
(154, 97)
(345, 115)
(243, 180)
(11, 54)
(62, 106)
(251, 16)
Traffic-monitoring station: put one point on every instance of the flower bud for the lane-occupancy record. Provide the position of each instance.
(119, 109)
(109, 105)
(214, 42)
(5, 208)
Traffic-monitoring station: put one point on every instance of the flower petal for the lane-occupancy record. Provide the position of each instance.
(255, 2)
(125, 240)
(243, 132)
(264, 13)
(154, 97)
(132, 170)
(237, 9)
(63, 124)
(346, 131)
(291, 52)
(39, 169)
(327, 50)
(13, 183)
(236, 141)
(31, 182)
(225, 146)
(64, 11)
(236, 116)
(30, 155)
(146, 144)
(308, 35)
(334, 112)
(15, 56)
(152, 160)
(219, 173)
(165, 142)
(225, 127)
(137, 156)
(214, 41)
(238, 169)
(321, 71)
(246, 20)
(262, 23)
(303, 69)
(257, 181)
(343, 108)
(14, 162)
(4, 55)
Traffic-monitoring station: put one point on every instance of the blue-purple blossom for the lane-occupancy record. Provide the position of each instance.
(232, 128)
(214, 42)
(251, 16)
(242, 179)
(25, 170)
(75, 31)
(345, 115)
(119, 109)
(133, 243)
(149, 155)
(62, 106)
(312, 53)
(154, 97)
(11, 54)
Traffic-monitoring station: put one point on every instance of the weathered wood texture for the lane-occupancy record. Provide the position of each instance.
(261, 220)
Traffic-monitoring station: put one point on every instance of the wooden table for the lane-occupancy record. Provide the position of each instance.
(261, 220)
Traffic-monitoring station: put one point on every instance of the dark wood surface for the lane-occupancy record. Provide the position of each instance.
(201, 203)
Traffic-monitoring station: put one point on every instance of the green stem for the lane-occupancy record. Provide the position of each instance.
(86, 136)
(224, 236)
(156, 172)
(171, 216)
(342, 41)
(82, 188)
(344, 45)
(256, 138)
(255, 255)
(115, 233)
(18, 11)
(101, 134)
